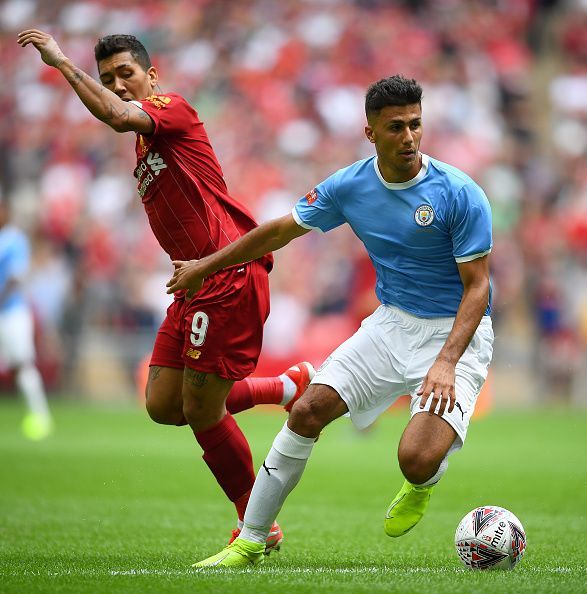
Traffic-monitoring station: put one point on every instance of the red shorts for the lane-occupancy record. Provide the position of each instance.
(220, 330)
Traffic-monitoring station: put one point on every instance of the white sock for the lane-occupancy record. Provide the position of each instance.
(437, 476)
(30, 384)
(276, 478)
(289, 389)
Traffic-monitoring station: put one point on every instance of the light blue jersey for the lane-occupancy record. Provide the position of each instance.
(14, 264)
(415, 232)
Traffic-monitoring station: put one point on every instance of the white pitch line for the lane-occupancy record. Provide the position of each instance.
(284, 571)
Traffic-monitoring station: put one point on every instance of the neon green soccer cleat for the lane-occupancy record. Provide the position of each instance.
(37, 427)
(273, 542)
(240, 554)
(406, 509)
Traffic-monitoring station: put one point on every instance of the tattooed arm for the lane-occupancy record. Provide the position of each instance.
(105, 105)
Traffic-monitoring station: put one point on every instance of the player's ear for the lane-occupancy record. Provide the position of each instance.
(369, 133)
(153, 77)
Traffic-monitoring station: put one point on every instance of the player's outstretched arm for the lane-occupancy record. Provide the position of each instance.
(440, 379)
(266, 238)
(105, 105)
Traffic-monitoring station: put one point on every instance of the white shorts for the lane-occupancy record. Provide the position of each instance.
(17, 345)
(390, 355)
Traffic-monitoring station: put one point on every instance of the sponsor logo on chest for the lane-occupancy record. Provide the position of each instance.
(147, 170)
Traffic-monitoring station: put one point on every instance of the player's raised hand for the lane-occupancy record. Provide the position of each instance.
(439, 384)
(50, 52)
(186, 275)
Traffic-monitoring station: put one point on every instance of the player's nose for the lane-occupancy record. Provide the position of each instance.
(119, 87)
(408, 139)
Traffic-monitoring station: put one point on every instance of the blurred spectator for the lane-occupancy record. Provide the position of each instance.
(17, 348)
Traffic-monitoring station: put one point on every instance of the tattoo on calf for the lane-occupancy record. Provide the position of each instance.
(195, 378)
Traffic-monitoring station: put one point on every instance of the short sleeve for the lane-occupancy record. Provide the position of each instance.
(172, 114)
(318, 209)
(470, 224)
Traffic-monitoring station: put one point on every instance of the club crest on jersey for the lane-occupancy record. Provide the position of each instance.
(312, 196)
(143, 146)
(424, 215)
(159, 101)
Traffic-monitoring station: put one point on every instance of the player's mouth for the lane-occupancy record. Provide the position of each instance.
(408, 154)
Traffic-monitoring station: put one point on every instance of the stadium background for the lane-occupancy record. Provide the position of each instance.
(280, 87)
(113, 503)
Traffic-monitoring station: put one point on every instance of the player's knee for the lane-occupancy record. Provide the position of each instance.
(193, 409)
(164, 414)
(306, 418)
(417, 465)
(202, 413)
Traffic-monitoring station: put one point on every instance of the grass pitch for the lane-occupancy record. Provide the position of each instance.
(115, 503)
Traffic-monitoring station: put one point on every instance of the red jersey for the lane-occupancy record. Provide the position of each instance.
(182, 186)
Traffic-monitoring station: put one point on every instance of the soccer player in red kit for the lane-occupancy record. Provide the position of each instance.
(208, 342)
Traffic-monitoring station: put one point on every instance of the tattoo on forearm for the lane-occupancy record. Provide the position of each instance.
(195, 378)
(60, 60)
(75, 78)
(112, 113)
(78, 76)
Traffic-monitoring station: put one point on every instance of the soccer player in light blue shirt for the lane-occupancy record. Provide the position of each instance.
(415, 232)
(14, 263)
(427, 229)
(17, 350)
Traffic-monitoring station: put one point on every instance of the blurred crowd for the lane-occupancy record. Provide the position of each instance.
(280, 87)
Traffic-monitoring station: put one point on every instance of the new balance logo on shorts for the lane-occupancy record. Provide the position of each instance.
(193, 353)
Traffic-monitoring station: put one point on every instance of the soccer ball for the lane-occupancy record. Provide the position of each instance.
(490, 537)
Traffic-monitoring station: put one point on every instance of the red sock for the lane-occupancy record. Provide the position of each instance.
(254, 390)
(227, 454)
(241, 504)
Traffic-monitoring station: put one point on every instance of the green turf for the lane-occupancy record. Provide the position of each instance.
(114, 503)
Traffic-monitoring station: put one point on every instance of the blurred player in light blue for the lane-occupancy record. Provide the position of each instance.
(427, 229)
(17, 350)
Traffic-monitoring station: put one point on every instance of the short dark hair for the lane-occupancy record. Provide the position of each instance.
(115, 44)
(395, 90)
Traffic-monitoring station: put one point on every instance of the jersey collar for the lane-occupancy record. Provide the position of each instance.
(406, 184)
